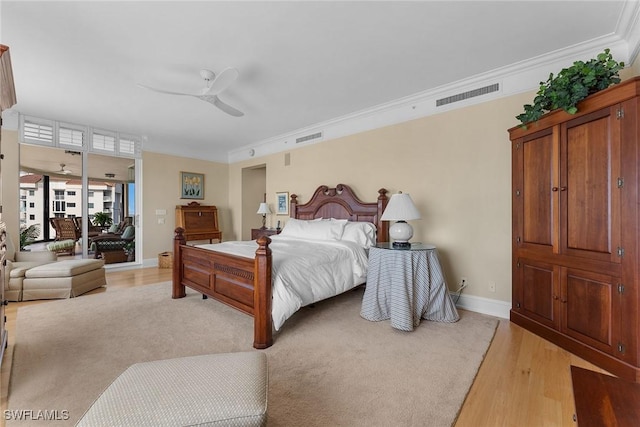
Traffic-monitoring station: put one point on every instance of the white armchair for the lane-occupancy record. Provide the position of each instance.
(18, 262)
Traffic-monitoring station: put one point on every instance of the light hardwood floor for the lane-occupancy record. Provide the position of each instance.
(523, 381)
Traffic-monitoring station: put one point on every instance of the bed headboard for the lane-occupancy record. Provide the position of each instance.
(342, 203)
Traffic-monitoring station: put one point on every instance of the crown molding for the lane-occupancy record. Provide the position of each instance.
(513, 79)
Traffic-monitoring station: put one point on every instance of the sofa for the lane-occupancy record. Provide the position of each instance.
(39, 275)
(17, 263)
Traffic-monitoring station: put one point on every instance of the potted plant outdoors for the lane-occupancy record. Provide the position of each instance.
(572, 85)
(28, 235)
(102, 219)
(130, 250)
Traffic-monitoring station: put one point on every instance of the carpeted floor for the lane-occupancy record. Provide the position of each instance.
(327, 367)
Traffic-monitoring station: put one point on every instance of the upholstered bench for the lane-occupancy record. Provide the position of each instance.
(63, 246)
(227, 389)
(63, 279)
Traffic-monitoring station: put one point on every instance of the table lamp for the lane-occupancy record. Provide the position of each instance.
(401, 209)
(264, 210)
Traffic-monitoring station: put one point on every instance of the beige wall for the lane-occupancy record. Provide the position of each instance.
(455, 165)
(161, 191)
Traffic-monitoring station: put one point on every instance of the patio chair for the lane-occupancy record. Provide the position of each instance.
(65, 229)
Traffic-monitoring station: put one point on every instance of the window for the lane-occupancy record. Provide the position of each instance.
(90, 205)
(78, 137)
(37, 131)
(90, 194)
(32, 217)
(58, 194)
(32, 205)
(71, 193)
(68, 136)
(103, 142)
(71, 205)
(59, 206)
(32, 192)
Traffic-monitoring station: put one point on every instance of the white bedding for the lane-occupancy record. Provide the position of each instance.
(305, 271)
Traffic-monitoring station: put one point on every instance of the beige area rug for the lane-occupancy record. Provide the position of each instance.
(327, 367)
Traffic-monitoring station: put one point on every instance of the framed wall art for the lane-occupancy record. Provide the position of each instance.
(282, 203)
(192, 185)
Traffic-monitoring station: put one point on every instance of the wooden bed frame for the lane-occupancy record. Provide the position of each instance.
(245, 283)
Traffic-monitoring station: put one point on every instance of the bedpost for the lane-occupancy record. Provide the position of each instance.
(383, 226)
(262, 322)
(178, 290)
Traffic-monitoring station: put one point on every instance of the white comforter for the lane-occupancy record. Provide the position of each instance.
(305, 271)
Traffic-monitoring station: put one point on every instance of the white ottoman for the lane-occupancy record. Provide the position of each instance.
(227, 389)
(63, 279)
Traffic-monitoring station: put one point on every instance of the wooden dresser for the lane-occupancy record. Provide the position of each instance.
(575, 196)
(200, 222)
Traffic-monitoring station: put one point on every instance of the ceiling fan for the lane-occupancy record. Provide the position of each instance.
(64, 171)
(213, 86)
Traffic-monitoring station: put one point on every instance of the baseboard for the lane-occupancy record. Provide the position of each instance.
(492, 307)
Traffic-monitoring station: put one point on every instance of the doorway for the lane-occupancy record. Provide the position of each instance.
(94, 191)
(254, 188)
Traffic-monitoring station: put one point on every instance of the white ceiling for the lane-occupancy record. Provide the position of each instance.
(301, 63)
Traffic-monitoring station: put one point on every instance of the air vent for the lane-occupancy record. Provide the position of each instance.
(309, 137)
(469, 94)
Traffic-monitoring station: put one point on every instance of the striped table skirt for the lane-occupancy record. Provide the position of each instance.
(406, 286)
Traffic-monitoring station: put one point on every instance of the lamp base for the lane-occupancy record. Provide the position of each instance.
(401, 245)
(401, 233)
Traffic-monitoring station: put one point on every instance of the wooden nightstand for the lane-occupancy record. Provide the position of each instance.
(257, 232)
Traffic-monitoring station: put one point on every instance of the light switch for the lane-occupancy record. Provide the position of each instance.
(161, 211)
(161, 220)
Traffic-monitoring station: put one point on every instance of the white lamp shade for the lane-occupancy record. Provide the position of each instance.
(400, 208)
(264, 208)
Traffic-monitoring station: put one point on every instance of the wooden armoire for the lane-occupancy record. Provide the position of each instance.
(575, 184)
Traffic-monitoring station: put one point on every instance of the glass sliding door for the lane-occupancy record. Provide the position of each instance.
(96, 192)
(50, 189)
(71, 172)
(111, 186)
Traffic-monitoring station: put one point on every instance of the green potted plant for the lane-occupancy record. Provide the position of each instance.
(28, 235)
(130, 249)
(102, 219)
(572, 85)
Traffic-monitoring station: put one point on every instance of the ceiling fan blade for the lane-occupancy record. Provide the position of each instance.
(226, 107)
(164, 91)
(222, 81)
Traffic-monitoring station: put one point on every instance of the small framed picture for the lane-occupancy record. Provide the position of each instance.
(282, 203)
(192, 185)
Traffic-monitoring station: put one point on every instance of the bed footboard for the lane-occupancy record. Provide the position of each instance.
(239, 282)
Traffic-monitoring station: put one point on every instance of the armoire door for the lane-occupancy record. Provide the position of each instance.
(589, 193)
(535, 175)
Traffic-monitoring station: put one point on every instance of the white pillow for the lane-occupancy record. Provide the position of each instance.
(313, 229)
(362, 233)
